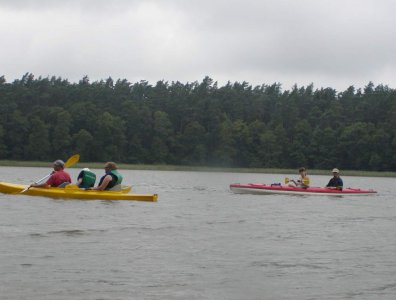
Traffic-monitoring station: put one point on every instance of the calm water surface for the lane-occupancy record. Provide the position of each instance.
(199, 241)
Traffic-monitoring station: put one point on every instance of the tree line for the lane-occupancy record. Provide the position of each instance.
(198, 123)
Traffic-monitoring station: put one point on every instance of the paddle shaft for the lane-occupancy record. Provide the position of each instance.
(44, 178)
(304, 181)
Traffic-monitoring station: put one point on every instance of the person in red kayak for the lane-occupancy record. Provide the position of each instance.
(335, 182)
(303, 181)
(59, 177)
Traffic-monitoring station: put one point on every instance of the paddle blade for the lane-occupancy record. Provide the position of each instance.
(72, 160)
(287, 180)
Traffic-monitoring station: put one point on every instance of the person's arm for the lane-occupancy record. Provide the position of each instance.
(330, 184)
(44, 185)
(104, 183)
(80, 178)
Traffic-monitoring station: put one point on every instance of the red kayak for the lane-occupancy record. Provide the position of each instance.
(259, 188)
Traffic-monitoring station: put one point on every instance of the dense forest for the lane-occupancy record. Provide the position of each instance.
(198, 123)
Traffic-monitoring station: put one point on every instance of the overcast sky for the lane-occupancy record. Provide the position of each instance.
(330, 43)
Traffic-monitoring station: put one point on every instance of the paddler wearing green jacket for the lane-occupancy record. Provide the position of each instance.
(111, 179)
(86, 179)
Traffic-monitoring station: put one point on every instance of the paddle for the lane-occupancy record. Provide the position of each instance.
(305, 181)
(70, 162)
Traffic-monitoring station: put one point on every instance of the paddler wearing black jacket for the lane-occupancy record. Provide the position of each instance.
(111, 179)
(335, 182)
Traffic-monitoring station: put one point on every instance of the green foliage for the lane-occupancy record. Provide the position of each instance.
(198, 123)
(83, 144)
(38, 146)
(2, 145)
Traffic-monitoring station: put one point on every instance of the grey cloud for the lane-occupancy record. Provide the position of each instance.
(326, 42)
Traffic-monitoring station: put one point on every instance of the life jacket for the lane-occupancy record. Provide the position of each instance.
(335, 182)
(116, 179)
(303, 182)
(118, 175)
(88, 179)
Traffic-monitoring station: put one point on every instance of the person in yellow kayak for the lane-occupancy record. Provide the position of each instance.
(59, 177)
(86, 179)
(111, 180)
(335, 182)
(303, 180)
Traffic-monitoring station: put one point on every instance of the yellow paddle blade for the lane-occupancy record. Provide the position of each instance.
(287, 180)
(305, 181)
(72, 160)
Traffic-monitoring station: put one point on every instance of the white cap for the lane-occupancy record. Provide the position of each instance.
(335, 170)
(85, 169)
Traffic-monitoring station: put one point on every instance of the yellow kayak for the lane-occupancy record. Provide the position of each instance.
(73, 192)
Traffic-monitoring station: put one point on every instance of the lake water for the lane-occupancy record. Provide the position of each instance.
(199, 241)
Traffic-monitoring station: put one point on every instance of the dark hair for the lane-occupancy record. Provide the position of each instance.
(302, 169)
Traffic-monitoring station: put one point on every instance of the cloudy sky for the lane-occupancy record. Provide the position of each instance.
(330, 43)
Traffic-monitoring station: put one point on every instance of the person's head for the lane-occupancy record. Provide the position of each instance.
(59, 165)
(336, 172)
(302, 171)
(110, 166)
(86, 169)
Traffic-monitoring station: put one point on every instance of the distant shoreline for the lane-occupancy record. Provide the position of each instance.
(96, 165)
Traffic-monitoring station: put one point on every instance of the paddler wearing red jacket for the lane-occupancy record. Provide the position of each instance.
(59, 177)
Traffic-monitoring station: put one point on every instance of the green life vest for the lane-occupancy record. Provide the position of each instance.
(118, 176)
(88, 179)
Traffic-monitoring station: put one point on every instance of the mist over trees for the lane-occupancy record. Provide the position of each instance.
(198, 123)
